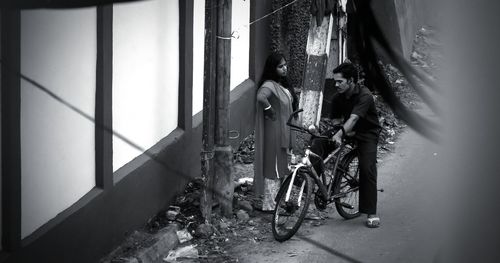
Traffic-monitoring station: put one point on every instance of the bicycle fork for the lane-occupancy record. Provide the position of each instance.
(289, 190)
(316, 178)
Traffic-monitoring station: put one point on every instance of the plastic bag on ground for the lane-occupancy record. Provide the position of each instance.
(182, 252)
(184, 235)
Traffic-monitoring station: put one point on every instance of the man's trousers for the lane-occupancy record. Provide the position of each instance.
(367, 156)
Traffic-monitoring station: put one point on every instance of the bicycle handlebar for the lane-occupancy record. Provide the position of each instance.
(289, 121)
(305, 130)
(302, 129)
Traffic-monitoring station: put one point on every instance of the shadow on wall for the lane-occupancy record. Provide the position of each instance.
(242, 112)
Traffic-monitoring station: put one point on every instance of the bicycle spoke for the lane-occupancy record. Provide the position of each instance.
(347, 188)
(288, 214)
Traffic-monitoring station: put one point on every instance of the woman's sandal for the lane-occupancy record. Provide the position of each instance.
(373, 222)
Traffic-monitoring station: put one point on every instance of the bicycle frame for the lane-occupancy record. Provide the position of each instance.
(290, 210)
(306, 162)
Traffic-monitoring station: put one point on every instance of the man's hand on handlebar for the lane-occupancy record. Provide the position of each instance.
(337, 138)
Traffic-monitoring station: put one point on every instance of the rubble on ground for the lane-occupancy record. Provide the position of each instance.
(246, 151)
(180, 253)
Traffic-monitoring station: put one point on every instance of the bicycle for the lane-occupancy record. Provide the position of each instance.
(338, 183)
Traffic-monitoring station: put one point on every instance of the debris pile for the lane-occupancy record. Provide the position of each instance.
(203, 242)
(213, 240)
(246, 151)
(184, 211)
(186, 252)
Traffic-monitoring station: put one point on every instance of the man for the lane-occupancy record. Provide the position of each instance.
(353, 105)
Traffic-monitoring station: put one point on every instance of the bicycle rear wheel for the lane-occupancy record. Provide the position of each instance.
(288, 215)
(347, 186)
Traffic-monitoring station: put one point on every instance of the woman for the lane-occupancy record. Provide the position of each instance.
(273, 138)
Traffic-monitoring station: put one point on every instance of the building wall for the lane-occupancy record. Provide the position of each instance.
(431, 12)
(400, 20)
(385, 13)
(242, 112)
(410, 21)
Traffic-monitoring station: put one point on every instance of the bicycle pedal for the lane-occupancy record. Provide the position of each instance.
(346, 205)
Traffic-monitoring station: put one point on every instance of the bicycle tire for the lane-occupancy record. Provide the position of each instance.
(347, 185)
(288, 216)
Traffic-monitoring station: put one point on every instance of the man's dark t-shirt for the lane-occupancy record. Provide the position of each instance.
(362, 104)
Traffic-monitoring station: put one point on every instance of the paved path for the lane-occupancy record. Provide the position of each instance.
(410, 209)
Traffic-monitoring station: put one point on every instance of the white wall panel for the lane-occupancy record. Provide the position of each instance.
(198, 54)
(145, 74)
(58, 50)
(240, 44)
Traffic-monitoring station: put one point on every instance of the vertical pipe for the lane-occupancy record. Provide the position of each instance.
(223, 151)
(185, 65)
(103, 105)
(208, 174)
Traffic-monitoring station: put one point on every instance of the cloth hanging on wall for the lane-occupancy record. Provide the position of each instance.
(321, 8)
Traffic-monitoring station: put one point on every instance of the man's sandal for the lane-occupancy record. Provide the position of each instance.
(373, 222)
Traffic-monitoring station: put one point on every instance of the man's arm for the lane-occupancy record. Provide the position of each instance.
(337, 121)
(359, 111)
(348, 126)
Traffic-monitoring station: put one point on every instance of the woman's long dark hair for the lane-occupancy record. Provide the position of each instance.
(269, 73)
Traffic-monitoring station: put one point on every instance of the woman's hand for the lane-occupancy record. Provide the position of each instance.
(270, 114)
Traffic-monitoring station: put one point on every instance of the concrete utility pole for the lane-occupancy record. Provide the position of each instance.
(209, 82)
(223, 152)
(317, 49)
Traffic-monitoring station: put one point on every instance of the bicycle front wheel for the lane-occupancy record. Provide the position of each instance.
(347, 186)
(289, 214)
